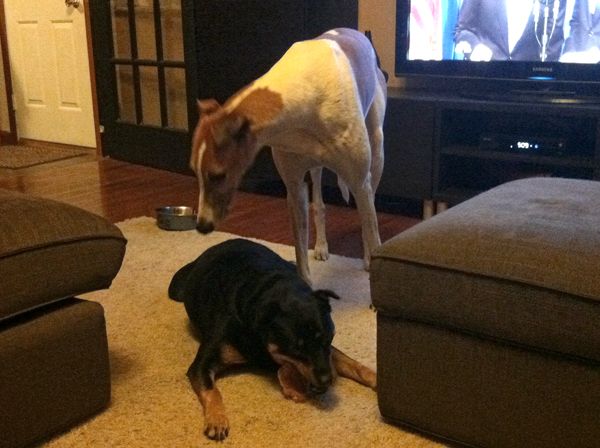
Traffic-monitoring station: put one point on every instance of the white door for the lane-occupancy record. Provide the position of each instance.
(47, 44)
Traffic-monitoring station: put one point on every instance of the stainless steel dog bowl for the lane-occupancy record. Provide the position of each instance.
(176, 218)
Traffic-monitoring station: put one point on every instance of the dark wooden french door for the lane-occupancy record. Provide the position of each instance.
(144, 54)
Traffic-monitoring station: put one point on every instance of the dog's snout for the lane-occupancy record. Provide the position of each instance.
(325, 379)
(322, 383)
(318, 390)
(204, 226)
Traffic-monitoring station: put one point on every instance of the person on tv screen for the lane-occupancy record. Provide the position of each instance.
(432, 24)
(583, 42)
(522, 30)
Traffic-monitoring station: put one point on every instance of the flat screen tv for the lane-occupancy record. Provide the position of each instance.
(547, 48)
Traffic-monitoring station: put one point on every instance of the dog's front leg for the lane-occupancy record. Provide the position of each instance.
(292, 169)
(350, 368)
(297, 200)
(202, 374)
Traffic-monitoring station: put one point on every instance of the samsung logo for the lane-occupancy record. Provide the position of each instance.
(543, 69)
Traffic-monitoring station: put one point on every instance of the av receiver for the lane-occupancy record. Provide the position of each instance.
(551, 146)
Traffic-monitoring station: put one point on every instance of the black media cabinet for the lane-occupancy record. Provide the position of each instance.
(443, 148)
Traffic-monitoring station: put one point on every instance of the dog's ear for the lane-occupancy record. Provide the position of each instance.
(180, 283)
(323, 296)
(232, 128)
(209, 106)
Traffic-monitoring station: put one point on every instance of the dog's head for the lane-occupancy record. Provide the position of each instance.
(299, 333)
(223, 148)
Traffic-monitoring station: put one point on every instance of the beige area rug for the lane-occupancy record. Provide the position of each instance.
(22, 156)
(151, 347)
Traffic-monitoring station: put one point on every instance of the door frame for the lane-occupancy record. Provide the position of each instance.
(9, 137)
(12, 137)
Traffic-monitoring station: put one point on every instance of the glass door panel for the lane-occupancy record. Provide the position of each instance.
(144, 97)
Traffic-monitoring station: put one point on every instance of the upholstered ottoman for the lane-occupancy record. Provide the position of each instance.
(54, 369)
(488, 318)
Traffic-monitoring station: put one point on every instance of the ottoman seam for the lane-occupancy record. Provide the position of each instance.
(584, 298)
(65, 241)
(486, 337)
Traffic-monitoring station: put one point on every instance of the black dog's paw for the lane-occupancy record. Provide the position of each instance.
(216, 427)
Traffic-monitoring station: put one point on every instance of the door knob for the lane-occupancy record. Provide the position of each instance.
(73, 3)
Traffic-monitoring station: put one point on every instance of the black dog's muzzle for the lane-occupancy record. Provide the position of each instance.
(322, 383)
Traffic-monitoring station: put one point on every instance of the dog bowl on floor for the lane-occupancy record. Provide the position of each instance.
(176, 218)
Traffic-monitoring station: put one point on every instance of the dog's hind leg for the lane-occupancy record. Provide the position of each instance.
(350, 368)
(363, 195)
(365, 204)
(354, 165)
(374, 125)
(318, 208)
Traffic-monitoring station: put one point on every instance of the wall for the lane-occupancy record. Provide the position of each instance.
(4, 124)
(379, 16)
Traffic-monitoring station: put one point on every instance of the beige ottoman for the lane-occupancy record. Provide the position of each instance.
(489, 318)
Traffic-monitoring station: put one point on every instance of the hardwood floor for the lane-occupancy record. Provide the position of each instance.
(119, 190)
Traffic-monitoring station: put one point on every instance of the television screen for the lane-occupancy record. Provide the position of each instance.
(510, 39)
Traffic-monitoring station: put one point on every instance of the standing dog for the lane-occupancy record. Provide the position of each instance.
(321, 105)
(251, 306)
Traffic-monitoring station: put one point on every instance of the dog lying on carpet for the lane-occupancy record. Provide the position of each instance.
(250, 306)
(321, 105)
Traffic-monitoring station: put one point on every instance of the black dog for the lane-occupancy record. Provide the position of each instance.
(250, 306)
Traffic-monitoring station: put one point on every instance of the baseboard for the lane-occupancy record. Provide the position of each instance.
(29, 142)
(7, 138)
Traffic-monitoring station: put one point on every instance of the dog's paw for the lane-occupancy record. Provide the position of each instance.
(367, 264)
(294, 395)
(321, 252)
(369, 377)
(216, 426)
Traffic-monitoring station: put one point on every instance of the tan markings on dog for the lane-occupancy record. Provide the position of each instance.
(293, 385)
(261, 106)
(304, 369)
(219, 131)
(216, 423)
(349, 368)
(229, 355)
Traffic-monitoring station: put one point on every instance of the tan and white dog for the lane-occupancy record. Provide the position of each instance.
(321, 105)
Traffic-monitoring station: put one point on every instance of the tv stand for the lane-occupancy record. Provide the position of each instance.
(443, 148)
(532, 96)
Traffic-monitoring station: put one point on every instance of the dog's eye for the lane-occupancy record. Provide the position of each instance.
(216, 178)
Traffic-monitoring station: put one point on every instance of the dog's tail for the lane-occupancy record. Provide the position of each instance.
(370, 37)
(344, 189)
